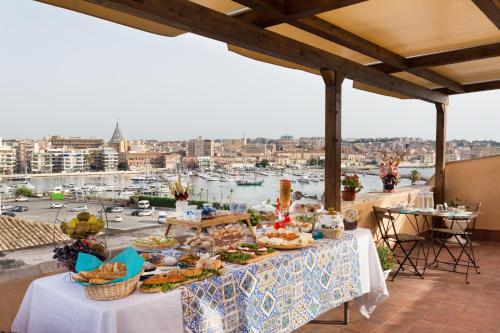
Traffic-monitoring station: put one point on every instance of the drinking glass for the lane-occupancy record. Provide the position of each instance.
(440, 208)
(196, 217)
(242, 208)
(461, 209)
(233, 207)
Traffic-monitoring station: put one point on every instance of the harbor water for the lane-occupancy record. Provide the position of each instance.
(219, 191)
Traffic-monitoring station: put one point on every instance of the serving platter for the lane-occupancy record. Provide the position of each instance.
(254, 259)
(286, 247)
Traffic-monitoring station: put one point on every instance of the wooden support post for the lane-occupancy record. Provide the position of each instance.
(439, 177)
(333, 92)
(346, 313)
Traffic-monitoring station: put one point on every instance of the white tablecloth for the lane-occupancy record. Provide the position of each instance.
(53, 304)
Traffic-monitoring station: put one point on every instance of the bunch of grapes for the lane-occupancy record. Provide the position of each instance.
(68, 254)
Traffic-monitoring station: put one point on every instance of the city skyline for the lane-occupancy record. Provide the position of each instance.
(179, 88)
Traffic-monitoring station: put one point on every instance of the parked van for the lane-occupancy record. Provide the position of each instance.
(162, 217)
(143, 204)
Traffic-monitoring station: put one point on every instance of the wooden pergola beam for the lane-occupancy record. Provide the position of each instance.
(333, 33)
(446, 58)
(439, 175)
(333, 138)
(274, 7)
(292, 10)
(490, 8)
(189, 16)
(474, 87)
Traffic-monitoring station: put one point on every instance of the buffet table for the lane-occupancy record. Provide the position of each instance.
(54, 304)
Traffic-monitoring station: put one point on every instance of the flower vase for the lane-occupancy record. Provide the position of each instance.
(181, 206)
(389, 183)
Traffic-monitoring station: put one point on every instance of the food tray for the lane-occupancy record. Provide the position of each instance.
(253, 260)
(286, 247)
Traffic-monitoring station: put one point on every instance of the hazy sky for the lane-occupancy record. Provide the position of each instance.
(65, 73)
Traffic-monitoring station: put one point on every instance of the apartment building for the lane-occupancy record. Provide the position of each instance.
(107, 159)
(69, 161)
(41, 162)
(74, 143)
(7, 159)
(200, 147)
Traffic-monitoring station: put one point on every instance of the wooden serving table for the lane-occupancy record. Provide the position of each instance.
(212, 222)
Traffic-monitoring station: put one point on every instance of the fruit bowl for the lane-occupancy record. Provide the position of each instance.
(82, 226)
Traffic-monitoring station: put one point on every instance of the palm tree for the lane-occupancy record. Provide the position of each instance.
(415, 176)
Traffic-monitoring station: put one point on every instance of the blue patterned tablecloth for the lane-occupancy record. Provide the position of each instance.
(278, 294)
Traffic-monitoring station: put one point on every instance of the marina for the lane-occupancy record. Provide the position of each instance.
(249, 186)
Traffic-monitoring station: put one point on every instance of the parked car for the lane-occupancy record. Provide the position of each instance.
(135, 212)
(145, 212)
(117, 210)
(162, 217)
(118, 218)
(6, 207)
(39, 194)
(9, 213)
(57, 205)
(143, 204)
(21, 199)
(20, 209)
(79, 208)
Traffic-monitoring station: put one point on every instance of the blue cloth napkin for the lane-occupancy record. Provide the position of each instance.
(132, 260)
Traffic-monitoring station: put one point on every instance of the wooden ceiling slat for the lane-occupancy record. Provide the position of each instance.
(191, 17)
(446, 58)
(333, 33)
(490, 8)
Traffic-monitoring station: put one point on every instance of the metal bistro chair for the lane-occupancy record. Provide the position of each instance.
(394, 240)
(460, 231)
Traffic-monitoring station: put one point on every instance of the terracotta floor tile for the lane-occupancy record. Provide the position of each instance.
(423, 326)
(391, 326)
(488, 329)
(451, 329)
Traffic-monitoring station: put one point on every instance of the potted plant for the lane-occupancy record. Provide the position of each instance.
(415, 176)
(352, 185)
(386, 258)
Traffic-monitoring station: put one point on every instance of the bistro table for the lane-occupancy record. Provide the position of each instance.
(426, 223)
(54, 304)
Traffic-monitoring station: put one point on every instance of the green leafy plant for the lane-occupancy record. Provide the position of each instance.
(454, 203)
(385, 256)
(24, 192)
(262, 164)
(351, 182)
(415, 176)
(255, 217)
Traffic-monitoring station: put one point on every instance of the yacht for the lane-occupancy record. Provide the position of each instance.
(304, 179)
(125, 194)
(244, 182)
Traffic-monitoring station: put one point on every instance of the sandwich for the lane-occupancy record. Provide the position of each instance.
(159, 282)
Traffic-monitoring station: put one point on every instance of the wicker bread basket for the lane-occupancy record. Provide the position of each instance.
(332, 233)
(112, 291)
